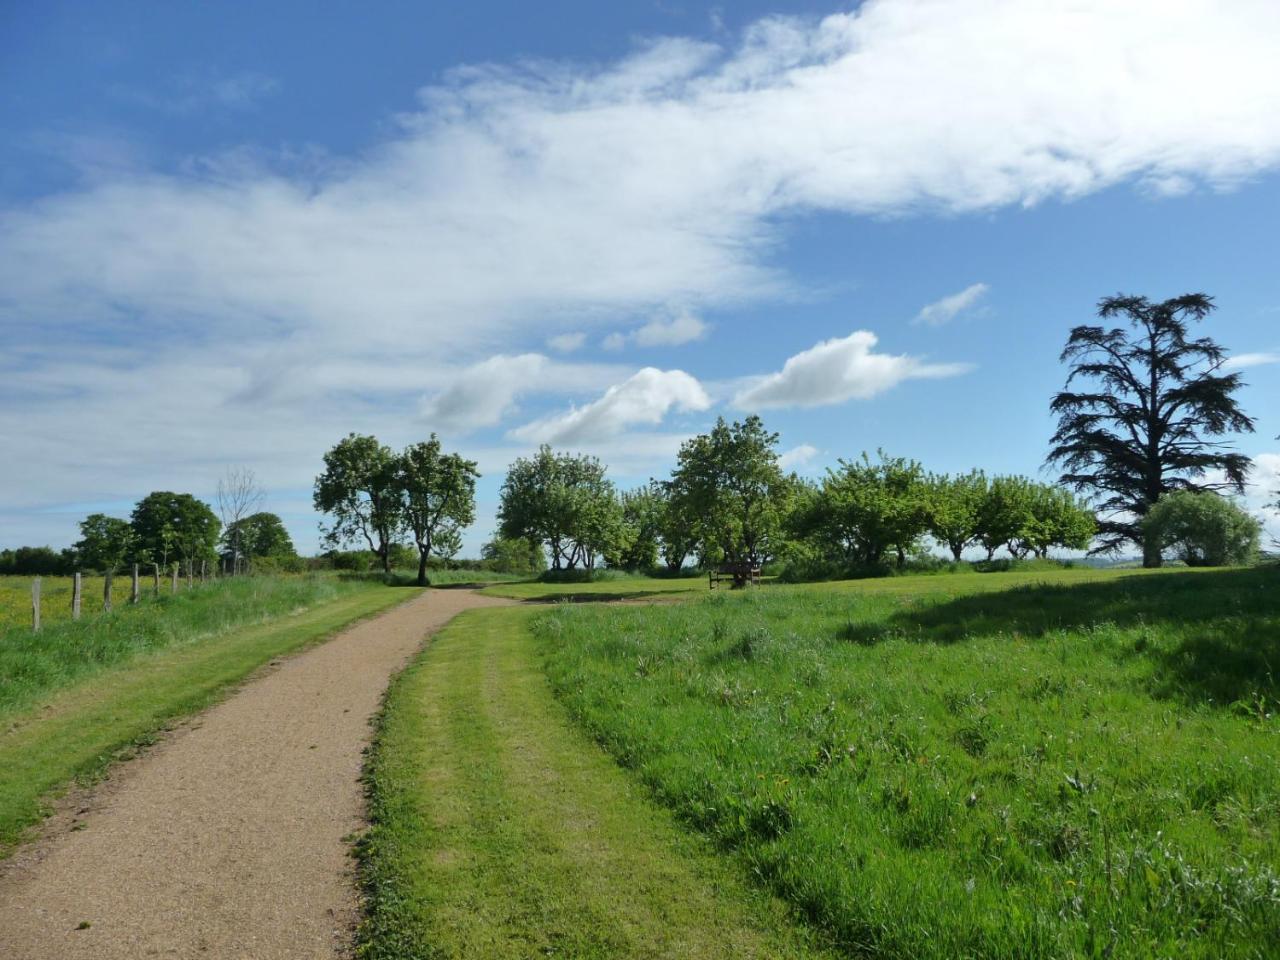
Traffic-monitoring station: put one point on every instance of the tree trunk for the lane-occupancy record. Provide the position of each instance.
(1151, 552)
(956, 551)
(422, 567)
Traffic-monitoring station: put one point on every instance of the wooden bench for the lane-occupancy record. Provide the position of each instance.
(740, 575)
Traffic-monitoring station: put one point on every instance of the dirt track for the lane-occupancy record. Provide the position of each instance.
(227, 841)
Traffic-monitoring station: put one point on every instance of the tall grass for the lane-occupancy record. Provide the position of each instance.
(32, 664)
(1048, 771)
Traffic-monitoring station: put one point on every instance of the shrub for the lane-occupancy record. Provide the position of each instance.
(1203, 529)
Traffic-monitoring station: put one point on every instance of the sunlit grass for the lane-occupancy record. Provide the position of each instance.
(934, 767)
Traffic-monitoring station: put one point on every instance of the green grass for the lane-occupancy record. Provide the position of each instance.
(500, 831)
(614, 588)
(84, 695)
(1085, 765)
(55, 597)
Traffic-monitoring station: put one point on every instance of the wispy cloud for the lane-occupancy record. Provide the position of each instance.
(797, 457)
(838, 370)
(682, 326)
(567, 342)
(1242, 361)
(949, 307)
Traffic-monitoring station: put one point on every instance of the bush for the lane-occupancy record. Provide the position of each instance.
(1203, 529)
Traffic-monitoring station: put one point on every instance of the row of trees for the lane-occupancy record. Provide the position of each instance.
(728, 502)
(377, 496)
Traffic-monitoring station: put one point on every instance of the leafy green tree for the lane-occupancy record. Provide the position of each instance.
(257, 536)
(955, 509)
(168, 524)
(439, 491)
(514, 556)
(360, 489)
(106, 543)
(676, 530)
(1150, 420)
(637, 546)
(1054, 518)
(1203, 529)
(865, 510)
(563, 501)
(729, 485)
(1004, 515)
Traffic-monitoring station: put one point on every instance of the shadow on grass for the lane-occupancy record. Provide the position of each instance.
(603, 597)
(1224, 625)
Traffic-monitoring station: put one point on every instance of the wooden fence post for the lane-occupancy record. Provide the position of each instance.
(173, 587)
(156, 576)
(77, 585)
(204, 575)
(191, 572)
(135, 593)
(35, 604)
(106, 591)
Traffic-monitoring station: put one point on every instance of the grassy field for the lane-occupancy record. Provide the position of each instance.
(55, 597)
(76, 697)
(501, 831)
(1083, 765)
(614, 588)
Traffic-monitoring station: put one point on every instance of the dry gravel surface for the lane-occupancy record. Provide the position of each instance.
(228, 840)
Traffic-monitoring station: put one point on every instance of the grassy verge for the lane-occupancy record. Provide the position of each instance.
(501, 831)
(79, 730)
(929, 770)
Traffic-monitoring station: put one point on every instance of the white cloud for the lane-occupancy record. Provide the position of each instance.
(567, 342)
(643, 399)
(1242, 361)
(682, 326)
(284, 302)
(946, 309)
(837, 370)
(797, 457)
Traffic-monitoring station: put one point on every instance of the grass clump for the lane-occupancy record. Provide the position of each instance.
(935, 767)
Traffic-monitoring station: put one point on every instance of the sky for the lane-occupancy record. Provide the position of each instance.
(232, 233)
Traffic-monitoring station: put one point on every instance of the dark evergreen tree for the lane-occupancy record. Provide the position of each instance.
(1143, 412)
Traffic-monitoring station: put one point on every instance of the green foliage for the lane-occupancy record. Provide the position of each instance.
(259, 536)
(105, 542)
(1203, 529)
(866, 510)
(728, 486)
(642, 517)
(563, 501)
(174, 526)
(955, 509)
(514, 556)
(37, 562)
(932, 767)
(1147, 422)
(359, 488)
(439, 491)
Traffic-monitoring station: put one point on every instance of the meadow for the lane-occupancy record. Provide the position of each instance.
(55, 597)
(1075, 764)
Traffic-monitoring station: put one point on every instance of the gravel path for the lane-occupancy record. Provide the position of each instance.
(227, 841)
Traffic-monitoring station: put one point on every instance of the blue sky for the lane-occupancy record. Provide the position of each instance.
(231, 233)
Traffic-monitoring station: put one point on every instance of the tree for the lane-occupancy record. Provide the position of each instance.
(1053, 518)
(360, 488)
(865, 510)
(728, 484)
(439, 499)
(637, 547)
(514, 556)
(1148, 423)
(1004, 514)
(677, 531)
(105, 542)
(167, 523)
(237, 494)
(955, 508)
(565, 502)
(257, 536)
(1202, 529)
